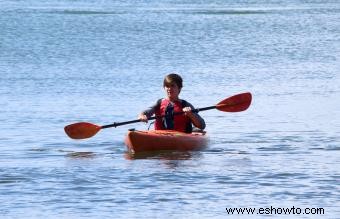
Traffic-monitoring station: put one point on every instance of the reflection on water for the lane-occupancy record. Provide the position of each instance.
(81, 155)
(162, 155)
(169, 159)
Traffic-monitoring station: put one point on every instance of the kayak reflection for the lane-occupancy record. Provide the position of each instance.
(163, 155)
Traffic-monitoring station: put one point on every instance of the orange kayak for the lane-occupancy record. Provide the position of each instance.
(158, 140)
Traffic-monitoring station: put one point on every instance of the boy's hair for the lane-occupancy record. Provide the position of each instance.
(173, 78)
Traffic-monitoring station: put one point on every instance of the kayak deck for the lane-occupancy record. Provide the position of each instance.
(159, 140)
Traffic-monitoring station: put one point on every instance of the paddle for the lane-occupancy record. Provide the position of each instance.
(236, 103)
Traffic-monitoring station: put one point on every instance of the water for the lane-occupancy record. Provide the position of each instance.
(103, 62)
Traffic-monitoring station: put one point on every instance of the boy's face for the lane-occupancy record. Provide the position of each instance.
(172, 91)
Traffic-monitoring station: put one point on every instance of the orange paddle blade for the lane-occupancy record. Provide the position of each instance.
(236, 103)
(81, 130)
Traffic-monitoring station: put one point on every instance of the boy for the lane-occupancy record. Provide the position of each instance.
(172, 85)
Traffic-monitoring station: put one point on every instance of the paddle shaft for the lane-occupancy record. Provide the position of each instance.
(115, 124)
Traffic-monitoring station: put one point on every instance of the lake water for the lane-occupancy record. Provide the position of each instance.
(104, 61)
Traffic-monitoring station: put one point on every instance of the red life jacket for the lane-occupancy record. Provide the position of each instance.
(181, 122)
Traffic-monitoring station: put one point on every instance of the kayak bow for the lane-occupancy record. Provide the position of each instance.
(159, 140)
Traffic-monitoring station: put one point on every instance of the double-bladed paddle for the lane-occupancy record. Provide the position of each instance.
(236, 103)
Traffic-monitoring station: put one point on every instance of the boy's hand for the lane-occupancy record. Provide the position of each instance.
(143, 118)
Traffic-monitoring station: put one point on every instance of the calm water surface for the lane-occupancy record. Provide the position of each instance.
(103, 62)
